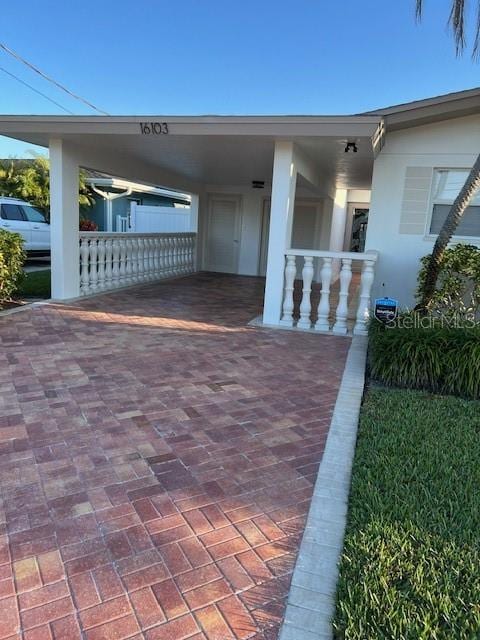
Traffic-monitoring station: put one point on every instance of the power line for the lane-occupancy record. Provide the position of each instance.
(49, 79)
(12, 75)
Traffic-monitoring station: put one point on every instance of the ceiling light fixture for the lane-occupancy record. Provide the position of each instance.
(351, 146)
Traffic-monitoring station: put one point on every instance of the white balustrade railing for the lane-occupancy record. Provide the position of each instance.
(331, 319)
(112, 260)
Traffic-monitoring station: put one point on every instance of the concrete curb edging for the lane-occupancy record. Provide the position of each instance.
(311, 600)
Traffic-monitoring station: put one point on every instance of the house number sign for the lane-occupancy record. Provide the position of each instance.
(153, 128)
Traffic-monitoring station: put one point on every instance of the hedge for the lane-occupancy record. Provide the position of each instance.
(12, 257)
(436, 358)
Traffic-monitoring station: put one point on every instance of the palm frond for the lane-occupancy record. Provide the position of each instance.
(476, 43)
(457, 23)
(418, 9)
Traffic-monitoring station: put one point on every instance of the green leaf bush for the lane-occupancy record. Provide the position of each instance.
(424, 353)
(458, 286)
(12, 257)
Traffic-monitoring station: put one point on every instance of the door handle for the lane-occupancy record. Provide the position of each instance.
(5, 225)
(35, 227)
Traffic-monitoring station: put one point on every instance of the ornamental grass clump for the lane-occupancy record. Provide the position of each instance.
(12, 257)
(436, 349)
(433, 356)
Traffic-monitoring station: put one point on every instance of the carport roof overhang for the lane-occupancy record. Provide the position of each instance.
(193, 151)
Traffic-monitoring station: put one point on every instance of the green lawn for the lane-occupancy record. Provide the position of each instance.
(411, 563)
(35, 285)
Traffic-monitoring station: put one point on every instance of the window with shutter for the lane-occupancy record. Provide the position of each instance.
(446, 186)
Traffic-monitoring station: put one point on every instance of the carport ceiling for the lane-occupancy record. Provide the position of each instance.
(214, 150)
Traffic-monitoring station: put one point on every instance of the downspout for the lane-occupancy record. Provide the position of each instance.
(109, 197)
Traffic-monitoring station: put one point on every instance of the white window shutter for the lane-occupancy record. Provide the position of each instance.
(416, 198)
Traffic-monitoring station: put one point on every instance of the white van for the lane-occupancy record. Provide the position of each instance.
(20, 217)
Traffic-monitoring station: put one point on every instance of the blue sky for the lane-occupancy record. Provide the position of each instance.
(220, 56)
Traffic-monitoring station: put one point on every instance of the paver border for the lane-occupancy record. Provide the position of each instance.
(311, 600)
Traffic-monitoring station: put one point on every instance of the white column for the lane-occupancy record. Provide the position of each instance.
(64, 222)
(337, 230)
(283, 196)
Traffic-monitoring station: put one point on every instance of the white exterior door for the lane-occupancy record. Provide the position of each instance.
(223, 234)
(13, 219)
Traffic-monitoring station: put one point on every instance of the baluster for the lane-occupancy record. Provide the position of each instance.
(108, 263)
(305, 305)
(117, 262)
(179, 256)
(144, 246)
(290, 273)
(84, 270)
(179, 241)
(146, 258)
(189, 255)
(193, 257)
(128, 261)
(171, 257)
(340, 325)
(156, 257)
(139, 246)
(363, 313)
(151, 258)
(101, 264)
(322, 323)
(134, 257)
(185, 255)
(141, 259)
(175, 256)
(162, 265)
(93, 265)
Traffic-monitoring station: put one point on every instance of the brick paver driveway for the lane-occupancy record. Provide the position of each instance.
(156, 463)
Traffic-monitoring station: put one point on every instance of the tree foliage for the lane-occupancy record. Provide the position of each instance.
(12, 257)
(30, 180)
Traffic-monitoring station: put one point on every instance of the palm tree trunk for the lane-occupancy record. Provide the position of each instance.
(448, 229)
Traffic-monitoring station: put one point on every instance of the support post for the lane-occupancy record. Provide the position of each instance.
(64, 220)
(337, 231)
(283, 197)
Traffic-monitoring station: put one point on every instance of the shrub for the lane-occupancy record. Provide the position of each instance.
(438, 358)
(88, 225)
(458, 285)
(12, 257)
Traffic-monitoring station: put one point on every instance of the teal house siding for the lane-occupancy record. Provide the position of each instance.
(121, 206)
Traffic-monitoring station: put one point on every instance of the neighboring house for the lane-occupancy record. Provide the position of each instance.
(280, 196)
(123, 205)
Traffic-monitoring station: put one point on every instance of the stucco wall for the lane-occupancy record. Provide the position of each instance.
(449, 144)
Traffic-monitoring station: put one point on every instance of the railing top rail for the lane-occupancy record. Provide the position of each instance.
(121, 234)
(349, 255)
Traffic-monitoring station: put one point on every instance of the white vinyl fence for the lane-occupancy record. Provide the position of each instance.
(154, 219)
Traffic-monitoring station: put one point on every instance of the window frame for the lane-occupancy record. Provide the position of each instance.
(456, 239)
